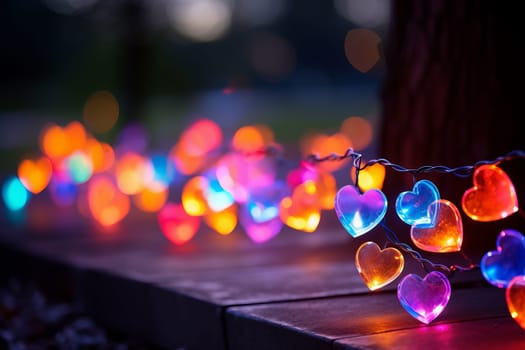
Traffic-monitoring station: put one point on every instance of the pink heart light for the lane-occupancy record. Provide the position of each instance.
(426, 298)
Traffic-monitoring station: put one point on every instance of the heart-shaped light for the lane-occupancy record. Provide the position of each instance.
(447, 233)
(370, 177)
(107, 204)
(426, 298)
(223, 222)
(259, 232)
(413, 207)
(515, 296)
(493, 196)
(301, 211)
(378, 267)
(359, 213)
(508, 261)
(35, 175)
(176, 225)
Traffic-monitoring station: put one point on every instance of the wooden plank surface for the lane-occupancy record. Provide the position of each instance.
(296, 291)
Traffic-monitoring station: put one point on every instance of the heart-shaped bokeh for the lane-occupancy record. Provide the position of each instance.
(176, 225)
(508, 261)
(493, 196)
(106, 203)
(35, 174)
(378, 267)
(446, 235)
(301, 210)
(426, 298)
(359, 213)
(413, 207)
(515, 296)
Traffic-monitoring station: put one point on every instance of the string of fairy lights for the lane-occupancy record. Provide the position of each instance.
(239, 186)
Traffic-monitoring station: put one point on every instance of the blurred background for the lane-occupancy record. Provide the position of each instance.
(296, 66)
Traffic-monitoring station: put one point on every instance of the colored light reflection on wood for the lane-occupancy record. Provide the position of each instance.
(35, 174)
(378, 267)
(492, 197)
(176, 225)
(132, 173)
(515, 297)
(447, 233)
(372, 176)
(152, 198)
(193, 196)
(301, 211)
(107, 204)
(224, 221)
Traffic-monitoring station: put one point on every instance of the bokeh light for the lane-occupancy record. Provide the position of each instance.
(359, 130)
(101, 112)
(14, 194)
(107, 204)
(176, 225)
(272, 56)
(200, 20)
(365, 13)
(79, 167)
(133, 172)
(323, 145)
(224, 221)
(152, 198)
(362, 49)
(35, 174)
(193, 196)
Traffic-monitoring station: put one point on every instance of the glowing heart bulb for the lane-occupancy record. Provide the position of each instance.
(370, 177)
(447, 233)
(493, 196)
(359, 213)
(176, 225)
(413, 207)
(424, 299)
(515, 296)
(35, 175)
(378, 267)
(499, 266)
(224, 221)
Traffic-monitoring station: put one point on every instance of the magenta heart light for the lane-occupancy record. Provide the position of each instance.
(426, 298)
(359, 213)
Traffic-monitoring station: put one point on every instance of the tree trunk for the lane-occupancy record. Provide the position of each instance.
(452, 95)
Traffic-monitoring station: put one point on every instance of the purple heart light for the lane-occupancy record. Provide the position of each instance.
(499, 266)
(426, 298)
(359, 213)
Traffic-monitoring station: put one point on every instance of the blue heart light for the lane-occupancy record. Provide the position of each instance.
(500, 266)
(359, 213)
(413, 206)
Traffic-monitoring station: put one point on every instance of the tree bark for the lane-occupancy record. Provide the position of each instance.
(452, 93)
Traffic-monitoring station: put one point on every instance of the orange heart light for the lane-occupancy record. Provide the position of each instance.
(493, 196)
(378, 267)
(301, 211)
(35, 175)
(106, 203)
(446, 235)
(370, 177)
(224, 221)
(176, 225)
(515, 296)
